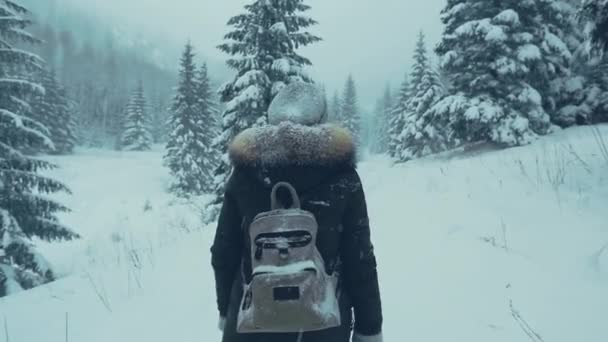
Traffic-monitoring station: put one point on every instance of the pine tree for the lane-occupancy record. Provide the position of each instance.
(159, 118)
(424, 132)
(582, 95)
(190, 154)
(335, 105)
(263, 46)
(25, 211)
(54, 111)
(382, 117)
(591, 87)
(490, 51)
(397, 119)
(350, 111)
(208, 108)
(595, 14)
(420, 66)
(136, 131)
(557, 77)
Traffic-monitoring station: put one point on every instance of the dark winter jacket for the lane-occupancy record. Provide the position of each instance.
(320, 163)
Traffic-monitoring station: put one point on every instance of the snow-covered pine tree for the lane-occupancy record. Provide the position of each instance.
(190, 155)
(350, 111)
(424, 132)
(595, 14)
(208, 106)
(263, 46)
(382, 116)
(556, 78)
(582, 96)
(489, 51)
(419, 67)
(333, 109)
(405, 109)
(53, 110)
(590, 85)
(25, 211)
(159, 117)
(397, 119)
(136, 131)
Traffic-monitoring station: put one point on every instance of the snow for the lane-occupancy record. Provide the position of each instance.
(249, 78)
(530, 95)
(556, 43)
(575, 84)
(279, 28)
(487, 246)
(283, 65)
(508, 16)
(483, 110)
(19, 122)
(492, 33)
(504, 65)
(528, 52)
(455, 10)
(251, 93)
(496, 34)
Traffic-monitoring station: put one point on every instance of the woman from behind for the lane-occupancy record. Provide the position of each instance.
(319, 161)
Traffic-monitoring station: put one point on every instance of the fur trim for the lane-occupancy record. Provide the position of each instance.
(292, 144)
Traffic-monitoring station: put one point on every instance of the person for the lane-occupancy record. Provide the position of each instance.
(319, 161)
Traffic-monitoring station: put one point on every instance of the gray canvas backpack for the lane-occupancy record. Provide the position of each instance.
(290, 290)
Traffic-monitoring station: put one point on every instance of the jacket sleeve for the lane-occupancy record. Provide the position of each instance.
(227, 250)
(360, 277)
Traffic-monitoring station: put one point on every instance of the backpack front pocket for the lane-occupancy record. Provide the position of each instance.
(282, 301)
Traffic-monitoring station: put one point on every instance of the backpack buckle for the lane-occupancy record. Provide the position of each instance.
(283, 248)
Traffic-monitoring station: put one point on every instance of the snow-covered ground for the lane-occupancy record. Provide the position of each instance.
(501, 246)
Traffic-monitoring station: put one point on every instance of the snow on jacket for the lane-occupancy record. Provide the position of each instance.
(320, 163)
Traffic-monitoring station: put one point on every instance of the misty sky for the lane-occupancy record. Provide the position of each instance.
(373, 39)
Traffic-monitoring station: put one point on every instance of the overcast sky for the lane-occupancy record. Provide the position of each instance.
(373, 39)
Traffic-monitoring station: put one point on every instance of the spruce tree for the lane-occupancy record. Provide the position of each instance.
(208, 108)
(397, 118)
(593, 74)
(159, 117)
(420, 65)
(490, 51)
(595, 15)
(335, 105)
(424, 132)
(190, 155)
(557, 77)
(382, 117)
(53, 110)
(136, 131)
(262, 46)
(350, 111)
(591, 66)
(25, 209)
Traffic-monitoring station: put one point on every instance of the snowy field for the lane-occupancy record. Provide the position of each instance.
(504, 246)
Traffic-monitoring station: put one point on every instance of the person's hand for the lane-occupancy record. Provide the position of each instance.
(361, 338)
(221, 324)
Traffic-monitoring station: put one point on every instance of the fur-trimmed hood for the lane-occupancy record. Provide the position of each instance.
(289, 144)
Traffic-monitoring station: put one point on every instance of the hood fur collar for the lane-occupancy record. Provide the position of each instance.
(291, 144)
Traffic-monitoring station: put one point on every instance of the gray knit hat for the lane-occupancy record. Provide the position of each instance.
(300, 103)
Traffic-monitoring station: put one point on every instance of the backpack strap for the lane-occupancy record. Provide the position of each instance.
(295, 199)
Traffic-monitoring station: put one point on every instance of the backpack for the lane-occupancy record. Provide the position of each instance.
(290, 290)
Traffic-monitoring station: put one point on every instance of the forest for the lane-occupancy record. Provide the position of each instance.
(503, 76)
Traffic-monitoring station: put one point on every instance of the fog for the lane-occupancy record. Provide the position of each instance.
(372, 39)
